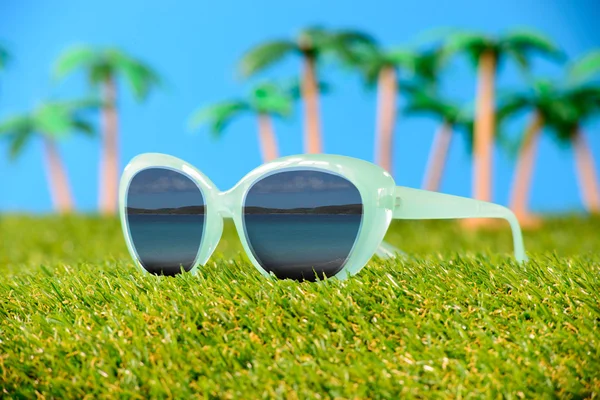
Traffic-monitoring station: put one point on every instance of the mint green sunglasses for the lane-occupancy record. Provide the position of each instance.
(302, 217)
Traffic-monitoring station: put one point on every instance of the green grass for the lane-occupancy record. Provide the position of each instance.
(457, 319)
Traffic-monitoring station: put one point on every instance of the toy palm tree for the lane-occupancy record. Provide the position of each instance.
(265, 101)
(310, 45)
(382, 67)
(52, 121)
(586, 100)
(452, 118)
(103, 68)
(562, 111)
(487, 53)
(577, 106)
(556, 108)
(544, 102)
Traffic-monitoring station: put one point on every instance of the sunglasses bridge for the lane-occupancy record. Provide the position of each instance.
(226, 204)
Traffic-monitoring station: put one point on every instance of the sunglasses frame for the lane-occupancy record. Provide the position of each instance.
(382, 202)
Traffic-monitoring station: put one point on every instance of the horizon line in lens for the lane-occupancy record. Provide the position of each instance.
(251, 210)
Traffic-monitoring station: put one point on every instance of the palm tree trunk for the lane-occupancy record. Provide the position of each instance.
(484, 128)
(387, 88)
(266, 138)
(60, 190)
(437, 157)
(310, 97)
(109, 163)
(524, 171)
(588, 181)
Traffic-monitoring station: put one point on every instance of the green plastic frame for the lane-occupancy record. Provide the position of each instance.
(382, 202)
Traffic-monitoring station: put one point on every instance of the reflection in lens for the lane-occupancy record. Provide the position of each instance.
(302, 224)
(165, 214)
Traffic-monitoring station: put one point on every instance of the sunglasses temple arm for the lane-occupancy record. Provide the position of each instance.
(422, 204)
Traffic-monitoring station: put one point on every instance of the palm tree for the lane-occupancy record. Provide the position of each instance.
(552, 106)
(382, 67)
(53, 121)
(562, 111)
(4, 57)
(453, 118)
(310, 45)
(265, 101)
(103, 68)
(543, 101)
(487, 53)
(580, 104)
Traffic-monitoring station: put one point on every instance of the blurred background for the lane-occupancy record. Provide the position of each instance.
(193, 49)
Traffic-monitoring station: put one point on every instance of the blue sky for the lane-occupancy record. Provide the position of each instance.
(297, 189)
(195, 45)
(163, 188)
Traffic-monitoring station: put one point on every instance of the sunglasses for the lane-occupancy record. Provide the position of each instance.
(304, 217)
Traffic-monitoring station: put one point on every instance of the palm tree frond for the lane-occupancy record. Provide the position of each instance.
(269, 98)
(428, 65)
(140, 77)
(347, 38)
(4, 57)
(264, 55)
(589, 94)
(424, 102)
(15, 124)
(368, 60)
(312, 37)
(403, 58)
(544, 86)
(53, 120)
(562, 123)
(17, 143)
(72, 59)
(280, 106)
(218, 116)
(16, 130)
(412, 87)
(585, 68)
(293, 88)
(521, 43)
(350, 46)
(520, 58)
(89, 103)
(527, 40)
(474, 44)
(370, 72)
(584, 103)
(84, 127)
(512, 104)
(563, 115)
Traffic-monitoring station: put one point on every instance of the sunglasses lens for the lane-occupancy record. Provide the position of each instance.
(302, 224)
(165, 215)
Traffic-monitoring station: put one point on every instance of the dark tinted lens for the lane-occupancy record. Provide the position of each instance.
(302, 224)
(165, 214)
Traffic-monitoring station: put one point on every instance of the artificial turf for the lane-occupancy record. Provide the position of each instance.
(457, 318)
